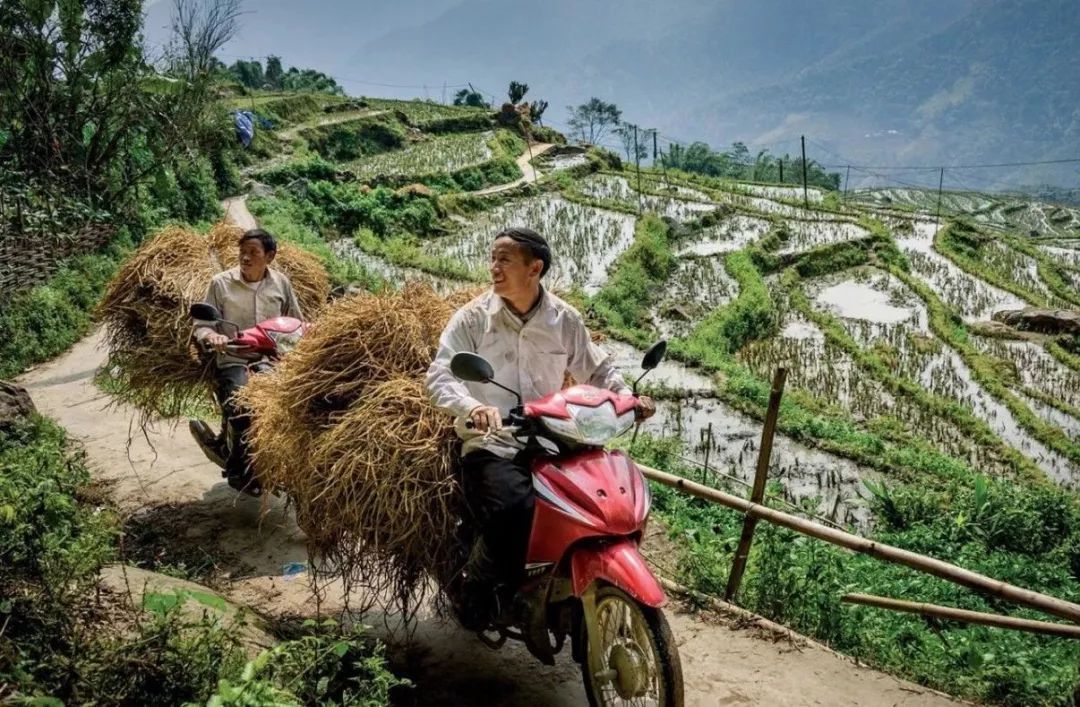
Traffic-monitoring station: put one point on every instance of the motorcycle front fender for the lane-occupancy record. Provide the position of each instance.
(619, 564)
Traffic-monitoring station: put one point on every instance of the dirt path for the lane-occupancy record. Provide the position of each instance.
(164, 482)
(332, 119)
(531, 175)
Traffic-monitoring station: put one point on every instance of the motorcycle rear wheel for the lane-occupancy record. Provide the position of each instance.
(640, 662)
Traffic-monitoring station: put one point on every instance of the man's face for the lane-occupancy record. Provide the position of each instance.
(253, 260)
(512, 267)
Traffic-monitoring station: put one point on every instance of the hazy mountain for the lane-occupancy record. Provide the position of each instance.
(491, 42)
(998, 84)
(873, 81)
(881, 81)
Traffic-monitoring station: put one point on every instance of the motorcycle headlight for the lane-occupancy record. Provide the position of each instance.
(593, 426)
(285, 341)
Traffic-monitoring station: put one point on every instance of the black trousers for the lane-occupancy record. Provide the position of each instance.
(500, 496)
(228, 381)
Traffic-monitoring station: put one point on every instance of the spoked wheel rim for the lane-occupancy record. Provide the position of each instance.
(629, 665)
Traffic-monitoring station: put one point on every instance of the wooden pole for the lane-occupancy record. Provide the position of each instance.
(847, 182)
(637, 161)
(929, 565)
(708, 447)
(941, 183)
(781, 171)
(972, 617)
(805, 195)
(757, 494)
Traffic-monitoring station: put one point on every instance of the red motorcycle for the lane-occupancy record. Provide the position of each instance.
(585, 577)
(261, 346)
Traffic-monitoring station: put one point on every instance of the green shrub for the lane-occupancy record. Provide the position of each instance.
(383, 210)
(355, 139)
(638, 274)
(328, 666)
(44, 321)
(226, 173)
(750, 316)
(198, 191)
(313, 168)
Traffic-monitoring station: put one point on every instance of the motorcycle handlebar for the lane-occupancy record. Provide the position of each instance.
(230, 347)
(506, 421)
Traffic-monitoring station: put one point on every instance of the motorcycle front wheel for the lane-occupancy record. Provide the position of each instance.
(639, 662)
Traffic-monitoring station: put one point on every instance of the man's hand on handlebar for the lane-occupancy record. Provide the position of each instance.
(217, 342)
(645, 408)
(485, 418)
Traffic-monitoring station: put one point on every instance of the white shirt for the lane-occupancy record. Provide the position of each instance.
(530, 357)
(246, 304)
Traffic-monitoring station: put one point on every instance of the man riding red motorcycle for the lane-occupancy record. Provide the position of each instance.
(241, 298)
(566, 564)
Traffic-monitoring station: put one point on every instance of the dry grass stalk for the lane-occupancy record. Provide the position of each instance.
(145, 314)
(344, 428)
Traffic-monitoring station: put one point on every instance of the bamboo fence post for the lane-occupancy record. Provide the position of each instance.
(708, 441)
(954, 614)
(958, 575)
(757, 494)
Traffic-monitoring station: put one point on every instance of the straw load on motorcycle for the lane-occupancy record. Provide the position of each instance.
(153, 362)
(342, 426)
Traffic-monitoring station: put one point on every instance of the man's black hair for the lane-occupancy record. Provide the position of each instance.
(536, 244)
(268, 243)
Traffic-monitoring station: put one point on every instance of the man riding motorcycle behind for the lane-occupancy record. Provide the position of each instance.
(533, 338)
(245, 295)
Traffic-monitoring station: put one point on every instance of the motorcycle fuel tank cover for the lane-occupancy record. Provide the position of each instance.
(603, 489)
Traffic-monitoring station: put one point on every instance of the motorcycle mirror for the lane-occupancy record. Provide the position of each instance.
(651, 360)
(654, 355)
(470, 367)
(204, 311)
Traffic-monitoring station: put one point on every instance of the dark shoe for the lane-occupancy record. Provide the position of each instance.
(245, 483)
(208, 441)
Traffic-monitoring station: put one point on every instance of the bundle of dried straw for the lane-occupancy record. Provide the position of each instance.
(344, 428)
(153, 364)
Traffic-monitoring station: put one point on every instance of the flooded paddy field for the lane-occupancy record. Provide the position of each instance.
(792, 193)
(393, 274)
(733, 233)
(880, 313)
(585, 240)
(831, 485)
(805, 235)
(445, 154)
(972, 297)
(619, 189)
(1035, 368)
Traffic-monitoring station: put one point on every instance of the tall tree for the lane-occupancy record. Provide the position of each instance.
(591, 120)
(470, 97)
(200, 28)
(274, 72)
(633, 141)
(86, 117)
(536, 111)
(517, 91)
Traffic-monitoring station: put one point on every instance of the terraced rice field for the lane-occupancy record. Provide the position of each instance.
(879, 311)
(443, 154)
(972, 297)
(585, 240)
(794, 193)
(618, 189)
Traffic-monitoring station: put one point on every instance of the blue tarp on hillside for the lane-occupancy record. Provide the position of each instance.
(244, 121)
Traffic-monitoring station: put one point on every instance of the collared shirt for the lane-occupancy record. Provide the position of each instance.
(530, 357)
(246, 304)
